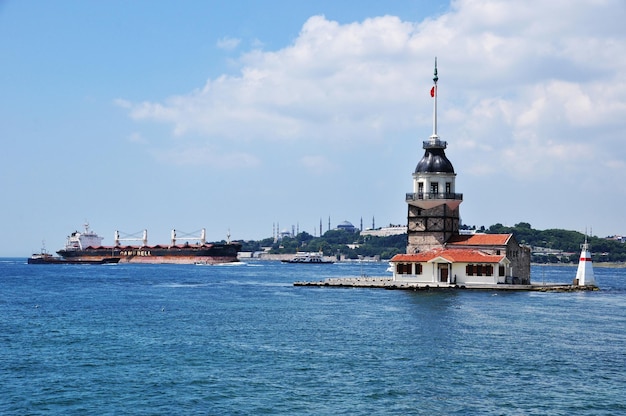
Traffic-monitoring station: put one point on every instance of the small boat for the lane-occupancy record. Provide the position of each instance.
(308, 258)
(47, 258)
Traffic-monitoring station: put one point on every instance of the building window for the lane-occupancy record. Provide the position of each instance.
(404, 268)
(479, 270)
(501, 271)
(420, 188)
(448, 187)
(418, 268)
(434, 188)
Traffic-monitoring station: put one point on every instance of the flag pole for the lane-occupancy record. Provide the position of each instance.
(434, 90)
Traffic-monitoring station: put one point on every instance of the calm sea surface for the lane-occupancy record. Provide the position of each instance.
(242, 340)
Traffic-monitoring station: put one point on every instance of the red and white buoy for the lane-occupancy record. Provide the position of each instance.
(584, 274)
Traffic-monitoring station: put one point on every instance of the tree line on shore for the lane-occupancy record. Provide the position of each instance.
(562, 246)
(548, 246)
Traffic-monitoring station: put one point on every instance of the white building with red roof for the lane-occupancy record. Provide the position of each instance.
(466, 260)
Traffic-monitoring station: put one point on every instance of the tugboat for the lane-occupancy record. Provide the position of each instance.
(44, 257)
(308, 258)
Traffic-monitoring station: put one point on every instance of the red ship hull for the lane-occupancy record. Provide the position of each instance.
(187, 254)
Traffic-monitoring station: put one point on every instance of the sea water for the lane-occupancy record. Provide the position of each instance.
(242, 340)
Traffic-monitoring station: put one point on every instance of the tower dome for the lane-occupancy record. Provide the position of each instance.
(434, 160)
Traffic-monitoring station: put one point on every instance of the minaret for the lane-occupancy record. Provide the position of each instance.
(433, 206)
(584, 274)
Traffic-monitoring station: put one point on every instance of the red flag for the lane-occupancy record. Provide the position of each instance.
(432, 92)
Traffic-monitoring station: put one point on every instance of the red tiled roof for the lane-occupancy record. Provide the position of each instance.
(479, 240)
(451, 255)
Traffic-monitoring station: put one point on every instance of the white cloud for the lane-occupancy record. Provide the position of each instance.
(533, 87)
(228, 43)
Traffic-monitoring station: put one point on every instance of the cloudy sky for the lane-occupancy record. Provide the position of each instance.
(239, 115)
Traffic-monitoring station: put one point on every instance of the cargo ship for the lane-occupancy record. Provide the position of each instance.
(87, 246)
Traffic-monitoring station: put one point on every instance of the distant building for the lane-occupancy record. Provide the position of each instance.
(347, 226)
(386, 231)
(619, 238)
(285, 233)
(436, 250)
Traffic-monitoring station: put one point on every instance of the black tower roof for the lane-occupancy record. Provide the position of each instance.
(434, 159)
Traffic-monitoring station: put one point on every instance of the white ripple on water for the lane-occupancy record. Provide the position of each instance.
(182, 285)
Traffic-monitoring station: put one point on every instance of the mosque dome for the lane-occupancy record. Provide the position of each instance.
(434, 161)
(346, 226)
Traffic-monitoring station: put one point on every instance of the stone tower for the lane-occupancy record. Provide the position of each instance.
(433, 206)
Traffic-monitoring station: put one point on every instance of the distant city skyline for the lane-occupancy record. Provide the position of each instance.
(295, 229)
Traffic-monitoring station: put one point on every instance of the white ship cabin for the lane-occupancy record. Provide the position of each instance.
(80, 241)
(464, 260)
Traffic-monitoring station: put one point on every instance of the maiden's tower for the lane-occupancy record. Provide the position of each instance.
(434, 204)
(436, 252)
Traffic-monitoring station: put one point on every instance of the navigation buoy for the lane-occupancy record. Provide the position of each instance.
(584, 274)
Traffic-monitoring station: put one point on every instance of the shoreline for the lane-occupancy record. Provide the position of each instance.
(608, 265)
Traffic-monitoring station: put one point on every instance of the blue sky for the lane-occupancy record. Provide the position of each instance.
(235, 116)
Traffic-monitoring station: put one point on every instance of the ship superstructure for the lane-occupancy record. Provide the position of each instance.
(80, 241)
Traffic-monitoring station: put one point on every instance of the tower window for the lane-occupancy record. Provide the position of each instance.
(434, 188)
(448, 187)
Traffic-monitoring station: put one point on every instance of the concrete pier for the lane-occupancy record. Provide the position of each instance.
(383, 282)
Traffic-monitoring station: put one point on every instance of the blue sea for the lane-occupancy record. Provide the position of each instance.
(242, 340)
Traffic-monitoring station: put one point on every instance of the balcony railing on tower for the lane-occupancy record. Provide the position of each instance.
(433, 143)
(429, 196)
